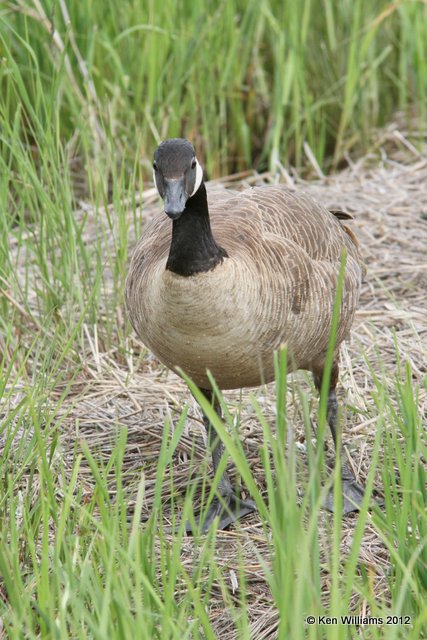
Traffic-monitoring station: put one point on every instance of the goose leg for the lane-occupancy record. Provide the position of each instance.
(226, 506)
(352, 492)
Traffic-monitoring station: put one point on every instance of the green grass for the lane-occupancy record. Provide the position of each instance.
(76, 566)
(249, 82)
(247, 91)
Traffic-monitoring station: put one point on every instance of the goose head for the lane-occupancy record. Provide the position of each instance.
(177, 174)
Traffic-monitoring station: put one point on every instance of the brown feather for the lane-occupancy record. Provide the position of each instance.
(341, 215)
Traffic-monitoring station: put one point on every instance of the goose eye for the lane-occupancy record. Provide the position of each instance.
(194, 163)
(155, 166)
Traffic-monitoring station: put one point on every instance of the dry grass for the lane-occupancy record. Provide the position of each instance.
(388, 199)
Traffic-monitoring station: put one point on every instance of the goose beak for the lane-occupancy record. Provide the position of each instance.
(174, 197)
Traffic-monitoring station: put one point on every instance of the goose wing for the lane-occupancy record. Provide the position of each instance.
(286, 214)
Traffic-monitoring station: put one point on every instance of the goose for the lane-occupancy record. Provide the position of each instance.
(222, 287)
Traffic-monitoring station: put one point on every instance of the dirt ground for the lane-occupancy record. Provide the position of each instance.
(387, 195)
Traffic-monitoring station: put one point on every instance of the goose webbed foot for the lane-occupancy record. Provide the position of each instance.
(228, 508)
(352, 494)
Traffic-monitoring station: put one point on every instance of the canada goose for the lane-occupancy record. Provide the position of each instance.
(224, 297)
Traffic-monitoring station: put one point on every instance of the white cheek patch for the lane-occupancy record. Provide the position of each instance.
(199, 178)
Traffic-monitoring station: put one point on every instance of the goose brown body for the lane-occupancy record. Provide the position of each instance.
(276, 286)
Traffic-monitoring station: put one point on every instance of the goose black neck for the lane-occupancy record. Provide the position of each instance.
(193, 248)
